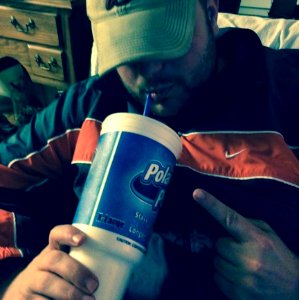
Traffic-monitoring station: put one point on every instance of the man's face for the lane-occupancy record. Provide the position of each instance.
(171, 81)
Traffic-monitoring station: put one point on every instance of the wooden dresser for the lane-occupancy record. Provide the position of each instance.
(50, 38)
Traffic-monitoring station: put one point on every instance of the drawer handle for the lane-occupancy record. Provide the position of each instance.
(52, 63)
(25, 29)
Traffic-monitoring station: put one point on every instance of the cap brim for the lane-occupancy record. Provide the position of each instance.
(161, 32)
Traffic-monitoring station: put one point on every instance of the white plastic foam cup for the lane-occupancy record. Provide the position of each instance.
(124, 189)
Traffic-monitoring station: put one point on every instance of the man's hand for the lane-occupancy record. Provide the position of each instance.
(149, 275)
(53, 274)
(253, 262)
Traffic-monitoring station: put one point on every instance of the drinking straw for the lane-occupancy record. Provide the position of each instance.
(148, 104)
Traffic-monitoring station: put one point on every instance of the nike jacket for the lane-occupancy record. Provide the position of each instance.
(240, 136)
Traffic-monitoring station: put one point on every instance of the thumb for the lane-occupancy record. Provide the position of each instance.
(237, 226)
(65, 235)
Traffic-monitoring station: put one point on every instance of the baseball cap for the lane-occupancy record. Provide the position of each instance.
(135, 30)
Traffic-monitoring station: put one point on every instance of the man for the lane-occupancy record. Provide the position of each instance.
(232, 101)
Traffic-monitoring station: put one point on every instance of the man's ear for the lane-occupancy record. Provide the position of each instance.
(211, 14)
(212, 11)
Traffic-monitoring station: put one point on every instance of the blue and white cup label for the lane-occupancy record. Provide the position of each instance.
(125, 186)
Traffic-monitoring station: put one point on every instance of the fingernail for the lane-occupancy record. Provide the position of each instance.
(76, 238)
(198, 194)
(91, 284)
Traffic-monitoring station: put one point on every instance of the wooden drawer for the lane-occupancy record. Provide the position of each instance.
(29, 26)
(47, 62)
(17, 50)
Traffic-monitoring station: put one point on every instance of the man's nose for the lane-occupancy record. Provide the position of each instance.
(149, 69)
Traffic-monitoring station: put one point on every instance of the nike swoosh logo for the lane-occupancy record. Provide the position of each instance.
(232, 155)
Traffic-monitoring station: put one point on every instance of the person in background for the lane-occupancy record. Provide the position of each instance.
(229, 226)
(18, 96)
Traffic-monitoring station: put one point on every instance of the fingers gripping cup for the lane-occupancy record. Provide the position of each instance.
(124, 189)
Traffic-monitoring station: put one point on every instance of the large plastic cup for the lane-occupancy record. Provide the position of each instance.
(124, 189)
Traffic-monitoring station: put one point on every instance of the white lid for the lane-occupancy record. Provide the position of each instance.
(146, 126)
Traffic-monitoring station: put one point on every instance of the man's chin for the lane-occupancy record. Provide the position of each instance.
(164, 112)
(166, 109)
